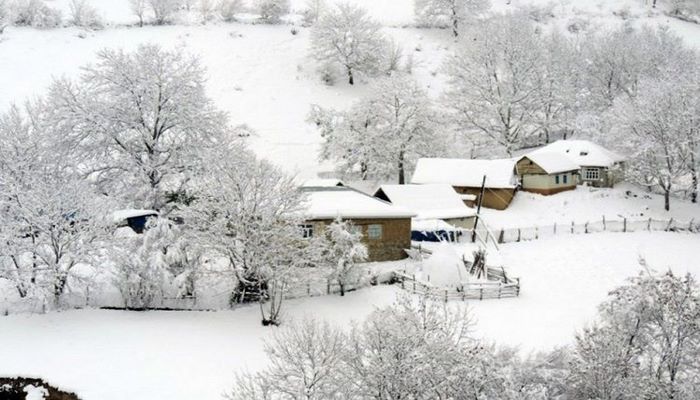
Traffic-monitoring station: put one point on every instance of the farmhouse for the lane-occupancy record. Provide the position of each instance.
(386, 228)
(598, 166)
(466, 176)
(546, 173)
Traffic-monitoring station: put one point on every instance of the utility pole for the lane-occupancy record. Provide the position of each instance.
(478, 208)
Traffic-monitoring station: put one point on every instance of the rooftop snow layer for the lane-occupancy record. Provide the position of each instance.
(122, 215)
(582, 152)
(322, 182)
(429, 201)
(468, 173)
(333, 202)
(552, 163)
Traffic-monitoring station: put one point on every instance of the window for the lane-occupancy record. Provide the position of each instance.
(566, 178)
(591, 174)
(556, 179)
(307, 230)
(374, 231)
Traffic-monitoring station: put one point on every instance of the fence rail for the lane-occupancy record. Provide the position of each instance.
(518, 234)
(501, 287)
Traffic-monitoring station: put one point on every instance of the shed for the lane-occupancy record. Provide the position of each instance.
(546, 173)
(134, 219)
(598, 166)
(386, 228)
(465, 176)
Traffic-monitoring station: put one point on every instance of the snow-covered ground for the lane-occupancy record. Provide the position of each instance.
(104, 355)
(588, 205)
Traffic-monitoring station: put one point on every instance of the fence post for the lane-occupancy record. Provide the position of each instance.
(518, 234)
(446, 295)
(624, 224)
(500, 287)
(481, 293)
(585, 227)
(690, 225)
(670, 222)
(537, 232)
(501, 236)
(649, 225)
(517, 288)
(604, 226)
(464, 293)
(414, 283)
(403, 279)
(328, 287)
(572, 227)
(308, 289)
(555, 228)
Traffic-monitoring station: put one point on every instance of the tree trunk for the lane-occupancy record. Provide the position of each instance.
(402, 169)
(667, 199)
(342, 288)
(351, 78)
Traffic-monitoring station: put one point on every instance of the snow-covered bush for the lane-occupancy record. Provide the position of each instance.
(340, 250)
(229, 8)
(348, 37)
(164, 10)
(312, 12)
(5, 16)
(85, 15)
(207, 9)
(36, 13)
(272, 11)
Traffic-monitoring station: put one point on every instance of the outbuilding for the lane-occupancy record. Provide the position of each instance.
(546, 173)
(386, 228)
(598, 166)
(466, 177)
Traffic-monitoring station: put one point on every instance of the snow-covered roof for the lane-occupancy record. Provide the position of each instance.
(121, 215)
(582, 152)
(322, 182)
(468, 173)
(431, 225)
(344, 202)
(552, 163)
(429, 201)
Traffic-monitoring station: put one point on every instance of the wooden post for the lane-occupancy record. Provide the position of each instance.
(308, 289)
(518, 234)
(500, 287)
(501, 236)
(649, 225)
(690, 225)
(585, 227)
(604, 226)
(414, 283)
(481, 293)
(478, 208)
(624, 224)
(464, 293)
(670, 222)
(328, 287)
(572, 227)
(537, 232)
(555, 228)
(517, 288)
(446, 295)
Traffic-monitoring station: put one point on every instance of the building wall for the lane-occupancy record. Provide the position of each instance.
(498, 199)
(547, 184)
(396, 237)
(608, 177)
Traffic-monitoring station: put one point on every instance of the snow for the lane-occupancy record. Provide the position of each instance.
(431, 225)
(581, 152)
(436, 201)
(552, 163)
(343, 202)
(320, 182)
(587, 204)
(106, 355)
(35, 393)
(460, 172)
(444, 268)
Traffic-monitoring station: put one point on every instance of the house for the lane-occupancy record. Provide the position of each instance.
(546, 173)
(386, 228)
(440, 211)
(598, 166)
(466, 176)
(134, 219)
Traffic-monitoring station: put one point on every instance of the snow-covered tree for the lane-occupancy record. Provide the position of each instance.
(341, 249)
(306, 362)
(138, 8)
(657, 130)
(207, 9)
(164, 10)
(272, 11)
(229, 8)
(645, 345)
(85, 15)
(247, 212)
(137, 122)
(383, 134)
(159, 263)
(494, 82)
(313, 11)
(449, 13)
(5, 16)
(346, 36)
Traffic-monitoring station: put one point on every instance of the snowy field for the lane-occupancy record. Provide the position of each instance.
(262, 75)
(102, 355)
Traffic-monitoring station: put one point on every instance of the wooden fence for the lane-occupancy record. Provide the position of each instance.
(510, 235)
(467, 291)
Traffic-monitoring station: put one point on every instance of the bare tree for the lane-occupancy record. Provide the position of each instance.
(138, 7)
(345, 35)
(164, 10)
(229, 8)
(449, 13)
(85, 15)
(272, 11)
